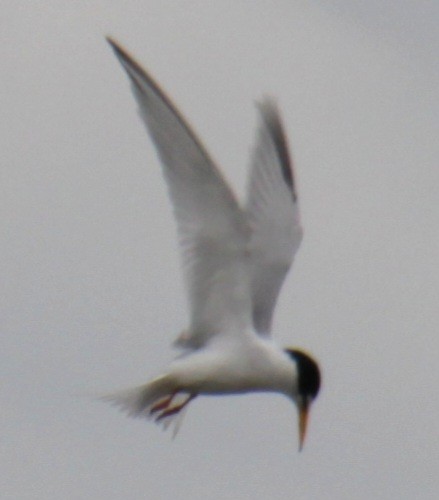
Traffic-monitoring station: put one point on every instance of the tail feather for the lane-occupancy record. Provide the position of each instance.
(137, 402)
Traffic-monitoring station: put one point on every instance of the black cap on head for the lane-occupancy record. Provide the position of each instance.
(308, 373)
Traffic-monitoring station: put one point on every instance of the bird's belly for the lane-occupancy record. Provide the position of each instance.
(231, 374)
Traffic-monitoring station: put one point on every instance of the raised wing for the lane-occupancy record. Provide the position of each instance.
(273, 213)
(213, 231)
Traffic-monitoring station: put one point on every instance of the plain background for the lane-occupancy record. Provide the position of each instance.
(91, 293)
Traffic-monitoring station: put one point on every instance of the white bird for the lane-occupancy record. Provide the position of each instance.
(235, 261)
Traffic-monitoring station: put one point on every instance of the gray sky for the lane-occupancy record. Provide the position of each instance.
(91, 294)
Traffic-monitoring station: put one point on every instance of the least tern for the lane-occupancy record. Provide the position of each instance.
(235, 260)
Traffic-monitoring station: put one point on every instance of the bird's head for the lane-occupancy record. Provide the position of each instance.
(308, 385)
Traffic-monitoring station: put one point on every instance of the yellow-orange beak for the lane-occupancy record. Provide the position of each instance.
(303, 408)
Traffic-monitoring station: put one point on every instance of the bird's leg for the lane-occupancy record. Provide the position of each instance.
(167, 412)
(162, 404)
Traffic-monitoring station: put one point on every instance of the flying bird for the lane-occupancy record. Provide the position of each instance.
(235, 260)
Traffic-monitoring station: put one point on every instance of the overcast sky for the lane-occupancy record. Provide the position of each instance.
(91, 293)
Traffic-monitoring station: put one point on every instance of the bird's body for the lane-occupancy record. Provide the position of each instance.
(235, 260)
(229, 367)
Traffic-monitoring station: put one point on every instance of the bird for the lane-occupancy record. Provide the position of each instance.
(235, 258)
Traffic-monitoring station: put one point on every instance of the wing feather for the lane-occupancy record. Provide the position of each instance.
(213, 231)
(273, 213)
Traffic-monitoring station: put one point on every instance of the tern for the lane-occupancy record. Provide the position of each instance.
(235, 260)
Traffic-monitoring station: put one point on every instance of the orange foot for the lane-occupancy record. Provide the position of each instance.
(163, 406)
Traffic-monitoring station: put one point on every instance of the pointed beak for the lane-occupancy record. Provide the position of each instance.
(303, 407)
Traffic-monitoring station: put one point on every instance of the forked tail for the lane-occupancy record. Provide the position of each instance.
(159, 399)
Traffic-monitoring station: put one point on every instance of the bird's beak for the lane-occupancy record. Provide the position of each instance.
(303, 407)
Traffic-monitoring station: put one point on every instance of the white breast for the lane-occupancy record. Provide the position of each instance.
(253, 364)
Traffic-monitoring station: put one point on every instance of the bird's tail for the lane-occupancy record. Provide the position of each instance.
(154, 400)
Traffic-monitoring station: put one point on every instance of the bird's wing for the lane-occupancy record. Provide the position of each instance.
(273, 213)
(212, 228)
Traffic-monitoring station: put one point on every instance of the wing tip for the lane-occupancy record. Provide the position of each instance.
(136, 73)
(272, 120)
(117, 48)
(128, 62)
(110, 39)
